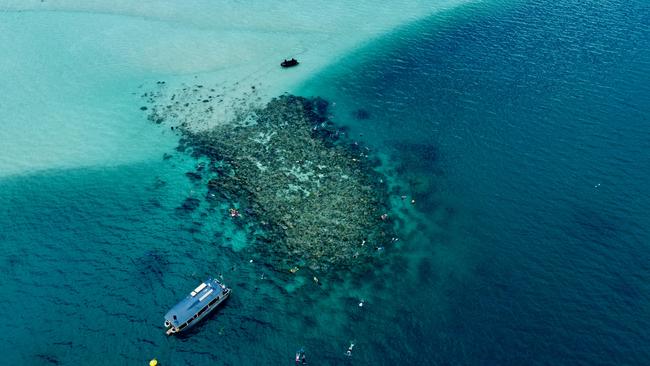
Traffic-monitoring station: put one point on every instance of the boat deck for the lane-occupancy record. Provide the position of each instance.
(208, 292)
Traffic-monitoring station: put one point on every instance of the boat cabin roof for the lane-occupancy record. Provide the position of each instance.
(194, 302)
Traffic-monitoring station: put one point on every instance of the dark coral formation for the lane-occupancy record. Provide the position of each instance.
(315, 193)
(190, 204)
(361, 114)
(195, 106)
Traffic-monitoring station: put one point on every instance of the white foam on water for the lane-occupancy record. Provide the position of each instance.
(69, 66)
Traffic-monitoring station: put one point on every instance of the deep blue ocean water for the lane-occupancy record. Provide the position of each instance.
(522, 130)
(534, 121)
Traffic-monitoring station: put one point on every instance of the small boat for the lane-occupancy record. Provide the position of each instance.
(289, 63)
(199, 303)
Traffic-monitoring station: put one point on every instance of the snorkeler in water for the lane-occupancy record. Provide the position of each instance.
(300, 356)
(349, 351)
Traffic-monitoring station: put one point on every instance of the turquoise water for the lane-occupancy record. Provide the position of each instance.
(68, 100)
(520, 129)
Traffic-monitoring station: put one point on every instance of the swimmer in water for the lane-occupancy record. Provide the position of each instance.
(300, 356)
(349, 351)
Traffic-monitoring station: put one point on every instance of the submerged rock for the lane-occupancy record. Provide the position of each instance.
(193, 176)
(361, 114)
(190, 204)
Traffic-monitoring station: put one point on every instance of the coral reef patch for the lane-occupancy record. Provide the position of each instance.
(313, 193)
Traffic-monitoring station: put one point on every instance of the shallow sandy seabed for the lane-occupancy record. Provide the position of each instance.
(244, 43)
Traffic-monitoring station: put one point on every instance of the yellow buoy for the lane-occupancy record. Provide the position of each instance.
(153, 362)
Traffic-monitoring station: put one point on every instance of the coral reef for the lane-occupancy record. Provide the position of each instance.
(314, 193)
(197, 107)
